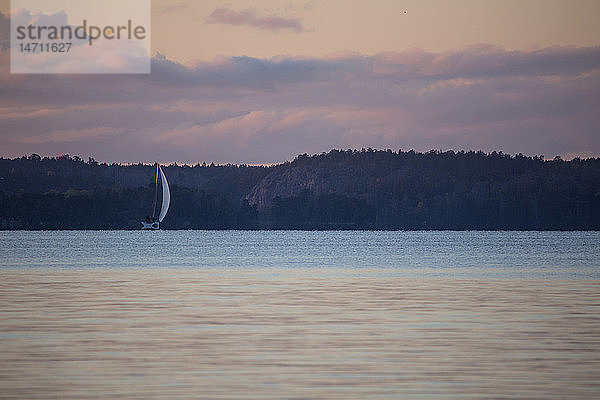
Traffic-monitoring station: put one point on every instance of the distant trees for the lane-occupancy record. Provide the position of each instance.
(328, 211)
(341, 189)
(121, 208)
(448, 190)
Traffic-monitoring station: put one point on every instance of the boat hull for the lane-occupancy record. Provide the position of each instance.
(150, 226)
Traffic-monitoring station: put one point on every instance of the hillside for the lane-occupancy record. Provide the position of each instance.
(351, 189)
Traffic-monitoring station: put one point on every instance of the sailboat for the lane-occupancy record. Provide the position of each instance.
(151, 223)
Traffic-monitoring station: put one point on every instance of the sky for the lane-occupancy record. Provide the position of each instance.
(260, 82)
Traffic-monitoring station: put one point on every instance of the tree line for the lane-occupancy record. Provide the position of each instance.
(341, 189)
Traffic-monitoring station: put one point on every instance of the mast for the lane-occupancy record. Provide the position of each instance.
(155, 193)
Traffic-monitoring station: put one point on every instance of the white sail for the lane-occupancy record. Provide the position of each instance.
(166, 196)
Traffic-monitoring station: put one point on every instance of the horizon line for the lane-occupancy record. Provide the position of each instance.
(569, 157)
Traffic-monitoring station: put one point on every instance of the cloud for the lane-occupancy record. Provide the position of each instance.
(170, 8)
(249, 17)
(243, 109)
(4, 32)
(71, 135)
(25, 17)
(105, 56)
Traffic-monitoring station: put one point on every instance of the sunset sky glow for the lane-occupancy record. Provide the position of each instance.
(260, 82)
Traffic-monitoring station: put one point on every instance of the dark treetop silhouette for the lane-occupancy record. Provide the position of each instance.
(366, 189)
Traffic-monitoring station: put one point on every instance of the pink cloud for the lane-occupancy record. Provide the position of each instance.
(243, 109)
(249, 17)
(172, 7)
(72, 135)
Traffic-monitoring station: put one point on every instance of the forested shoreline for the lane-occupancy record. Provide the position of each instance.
(341, 189)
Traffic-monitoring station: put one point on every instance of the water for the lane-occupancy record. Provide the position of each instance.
(478, 255)
(300, 315)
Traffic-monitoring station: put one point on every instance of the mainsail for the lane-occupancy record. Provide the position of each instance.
(151, 222)
(166, 196)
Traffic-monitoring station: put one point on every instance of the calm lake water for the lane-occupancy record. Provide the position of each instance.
(299, 315)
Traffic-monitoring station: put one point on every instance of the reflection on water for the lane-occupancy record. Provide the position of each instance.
(465, 255)
(294, 334)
